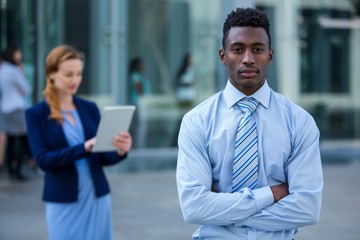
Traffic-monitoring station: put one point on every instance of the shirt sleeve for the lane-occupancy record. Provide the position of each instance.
(199, 204)
(21, 83)
(303, 169)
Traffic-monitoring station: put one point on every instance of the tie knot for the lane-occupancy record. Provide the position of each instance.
(248, 104)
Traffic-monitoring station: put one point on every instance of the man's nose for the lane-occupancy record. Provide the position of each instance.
(248, 58)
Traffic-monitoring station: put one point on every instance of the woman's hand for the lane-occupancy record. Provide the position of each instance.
(89, 144)
(123, 143)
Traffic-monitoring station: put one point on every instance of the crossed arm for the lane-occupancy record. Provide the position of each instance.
(269, 208)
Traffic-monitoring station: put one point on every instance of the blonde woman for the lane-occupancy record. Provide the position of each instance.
(61, 135)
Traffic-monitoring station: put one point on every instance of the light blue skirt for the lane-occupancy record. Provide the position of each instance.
(88, 218)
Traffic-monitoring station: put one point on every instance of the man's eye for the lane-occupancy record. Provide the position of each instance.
(258, 50)
(237, 50)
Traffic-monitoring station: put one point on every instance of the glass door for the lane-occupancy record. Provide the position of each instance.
(107, 52)
(98, 32)
(17, 26)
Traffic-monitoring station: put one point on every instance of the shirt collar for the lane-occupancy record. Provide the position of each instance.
(232, 95)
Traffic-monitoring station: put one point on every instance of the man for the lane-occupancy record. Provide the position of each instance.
(273, 184)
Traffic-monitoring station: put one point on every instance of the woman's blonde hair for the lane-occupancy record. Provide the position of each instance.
(57, 56)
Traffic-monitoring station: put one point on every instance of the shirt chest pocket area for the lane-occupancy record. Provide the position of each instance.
(275, 152)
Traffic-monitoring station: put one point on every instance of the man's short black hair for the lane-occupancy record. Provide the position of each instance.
(246, 17)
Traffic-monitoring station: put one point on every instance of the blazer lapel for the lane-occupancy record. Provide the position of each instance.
(55, 133)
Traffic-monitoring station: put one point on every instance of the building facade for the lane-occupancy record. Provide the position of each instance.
(316, 43)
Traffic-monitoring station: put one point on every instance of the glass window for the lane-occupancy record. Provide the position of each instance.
(324, 53)
(77, 34)
(17, 26)
(328, 83)
(172, 59)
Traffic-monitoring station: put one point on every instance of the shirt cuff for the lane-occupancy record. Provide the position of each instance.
(263, 196)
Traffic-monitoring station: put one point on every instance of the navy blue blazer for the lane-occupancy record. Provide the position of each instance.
(57, 159)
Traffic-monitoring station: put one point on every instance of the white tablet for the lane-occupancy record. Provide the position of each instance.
(113, 120)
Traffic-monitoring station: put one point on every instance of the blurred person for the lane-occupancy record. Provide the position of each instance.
(185, 90)
(139, 83)
(249, 163)
(140, 86)
(61, 134)
(14, 89)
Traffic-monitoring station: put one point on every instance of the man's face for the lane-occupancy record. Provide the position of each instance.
(246, 56)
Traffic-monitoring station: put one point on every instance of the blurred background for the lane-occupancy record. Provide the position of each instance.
(316, 42)
(316, 65)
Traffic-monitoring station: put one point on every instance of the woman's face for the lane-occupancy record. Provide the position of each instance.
(17, 56)
(68, 78)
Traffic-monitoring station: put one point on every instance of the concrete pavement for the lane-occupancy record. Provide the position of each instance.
(145, 206)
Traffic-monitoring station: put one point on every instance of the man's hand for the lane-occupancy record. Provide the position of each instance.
(280, 191)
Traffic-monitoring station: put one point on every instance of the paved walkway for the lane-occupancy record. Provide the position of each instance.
(145, 206)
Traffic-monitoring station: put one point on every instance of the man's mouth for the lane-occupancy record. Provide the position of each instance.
(248, 72)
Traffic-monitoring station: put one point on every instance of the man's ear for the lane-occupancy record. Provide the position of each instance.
(271, 55)
(222, 56)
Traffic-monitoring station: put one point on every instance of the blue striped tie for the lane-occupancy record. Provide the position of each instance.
(245, 169)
